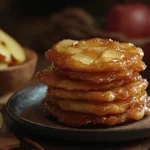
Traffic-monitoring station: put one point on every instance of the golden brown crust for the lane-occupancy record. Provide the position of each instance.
(95, 81)
(53, 78)
(100, 77)
(95, 55)
(123, 92)
(137, 112)
(100, 109)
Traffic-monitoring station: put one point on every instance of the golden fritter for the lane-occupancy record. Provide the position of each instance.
(121, 93)
(95, 81)
(95, 55)
(73, 119)
(100, 109)
(52, 78)
(100, 77)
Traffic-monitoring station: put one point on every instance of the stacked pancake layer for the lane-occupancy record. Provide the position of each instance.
(95, 81)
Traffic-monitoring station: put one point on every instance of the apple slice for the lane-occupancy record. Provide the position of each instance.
(13, 47)
(63, 45)
(83, 59)
(109, 55)
(4, 52)
(1, 120)
(73, 50)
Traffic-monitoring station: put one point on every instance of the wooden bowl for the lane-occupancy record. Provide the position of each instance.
(16, 77)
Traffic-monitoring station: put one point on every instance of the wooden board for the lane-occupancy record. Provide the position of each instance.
(8, 139)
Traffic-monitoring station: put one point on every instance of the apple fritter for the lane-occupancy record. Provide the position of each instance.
(100, 109)
(73, 119)
(52, 78)
(100, 77)
(95, 81)
(95, 55)
(121, 93)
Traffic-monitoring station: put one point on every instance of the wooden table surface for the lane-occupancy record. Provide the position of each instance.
(59, 144)
(32, 142)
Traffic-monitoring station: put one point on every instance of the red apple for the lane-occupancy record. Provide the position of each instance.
(130, 19)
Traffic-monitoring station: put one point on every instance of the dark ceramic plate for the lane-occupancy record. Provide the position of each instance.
(24, 108)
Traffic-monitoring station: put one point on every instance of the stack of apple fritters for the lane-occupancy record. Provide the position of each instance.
(95, 81)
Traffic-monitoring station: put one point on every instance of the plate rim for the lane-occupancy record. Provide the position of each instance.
(24, 121)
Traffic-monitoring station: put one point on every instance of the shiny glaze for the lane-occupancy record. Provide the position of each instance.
(79, 119)
(95, 81)
(54, 78)
(95, 55)
(121, 93)
(100, 109)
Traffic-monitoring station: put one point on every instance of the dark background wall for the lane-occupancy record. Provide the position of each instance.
(28, 20)
(44, 7)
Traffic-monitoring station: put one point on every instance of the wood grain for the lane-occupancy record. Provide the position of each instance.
(8, 139)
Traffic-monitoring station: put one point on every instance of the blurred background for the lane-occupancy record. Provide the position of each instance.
(39, 24)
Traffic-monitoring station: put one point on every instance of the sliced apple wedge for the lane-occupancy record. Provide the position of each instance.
(110, 55)
(5, 53)
(13, 47)
(63, 45)
(1, 120)
(83, 59)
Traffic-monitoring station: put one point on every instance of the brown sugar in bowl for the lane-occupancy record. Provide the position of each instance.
(16, 77)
